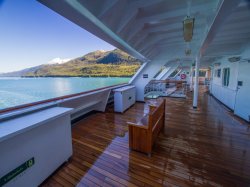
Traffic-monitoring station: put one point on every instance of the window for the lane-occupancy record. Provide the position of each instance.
(174, 73)
(202, 73)
(226, 75)
(158, 73)
(217, 73)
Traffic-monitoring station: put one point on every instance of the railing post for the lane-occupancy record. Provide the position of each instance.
(196, 83)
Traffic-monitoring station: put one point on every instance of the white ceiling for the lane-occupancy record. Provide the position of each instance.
(152, 29)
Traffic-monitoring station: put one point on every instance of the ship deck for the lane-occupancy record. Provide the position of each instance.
(207, 146)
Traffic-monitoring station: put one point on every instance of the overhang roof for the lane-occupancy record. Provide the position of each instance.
(152, 29)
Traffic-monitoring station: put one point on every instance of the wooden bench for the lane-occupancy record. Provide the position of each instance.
(143, 134)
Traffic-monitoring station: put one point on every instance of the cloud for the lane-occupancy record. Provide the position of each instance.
(59, 60)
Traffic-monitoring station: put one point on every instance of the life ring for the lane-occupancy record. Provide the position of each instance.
(183, 76)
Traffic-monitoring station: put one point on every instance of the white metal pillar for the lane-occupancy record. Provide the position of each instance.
(206, 75)
(196, 82)
(191, 78)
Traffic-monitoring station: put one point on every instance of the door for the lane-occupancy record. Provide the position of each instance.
(242, 101)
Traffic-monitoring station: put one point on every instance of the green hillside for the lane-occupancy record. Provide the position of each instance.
(93, 70)
(115, 63)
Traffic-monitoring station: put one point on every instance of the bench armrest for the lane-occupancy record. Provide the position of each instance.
(143, 123)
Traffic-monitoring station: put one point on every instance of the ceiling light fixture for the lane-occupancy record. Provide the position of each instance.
(234, 59)
(217, 64)
(188, 27)
(188, 50)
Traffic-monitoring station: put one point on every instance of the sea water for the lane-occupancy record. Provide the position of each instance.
(18, 91)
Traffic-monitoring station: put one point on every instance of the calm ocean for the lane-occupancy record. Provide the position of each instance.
(17, 91)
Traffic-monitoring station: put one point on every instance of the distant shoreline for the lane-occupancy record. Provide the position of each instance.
(67, 77)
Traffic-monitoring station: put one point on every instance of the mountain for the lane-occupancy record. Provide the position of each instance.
(21, 72)
(97, 64)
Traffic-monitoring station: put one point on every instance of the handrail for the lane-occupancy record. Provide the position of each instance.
(11, 109)
(168, 81)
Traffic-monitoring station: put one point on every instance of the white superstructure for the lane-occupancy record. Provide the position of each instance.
(153, 31)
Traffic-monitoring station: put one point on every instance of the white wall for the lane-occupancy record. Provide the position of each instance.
(44, 135)
(235, 97)
(150, 69)
(223, 93)
(226, 96)
(242, 103)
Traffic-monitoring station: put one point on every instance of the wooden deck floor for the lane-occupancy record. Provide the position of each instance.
(203, 147)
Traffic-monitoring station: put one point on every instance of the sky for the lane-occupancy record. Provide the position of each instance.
(32, 34)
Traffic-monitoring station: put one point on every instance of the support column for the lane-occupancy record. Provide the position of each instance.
(196, 82)
(206, 74)
(191, 78)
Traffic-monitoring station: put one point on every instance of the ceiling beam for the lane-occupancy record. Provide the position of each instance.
(226, 9)
(131, 12)
(203, 7)
(79, 14)
(140, 22)
(107, 7)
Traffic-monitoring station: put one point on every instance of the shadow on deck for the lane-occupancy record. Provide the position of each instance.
(203, 147)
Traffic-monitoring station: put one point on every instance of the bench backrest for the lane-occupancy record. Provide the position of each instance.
(156, 119)
(143, 134)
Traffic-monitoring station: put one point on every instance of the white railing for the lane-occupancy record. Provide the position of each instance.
(164, 87)
(81, 103)
(155, 87)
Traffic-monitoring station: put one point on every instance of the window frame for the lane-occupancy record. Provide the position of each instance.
(217, 73)
(226, 77)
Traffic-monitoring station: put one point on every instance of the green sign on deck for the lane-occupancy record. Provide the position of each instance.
(11, 175)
